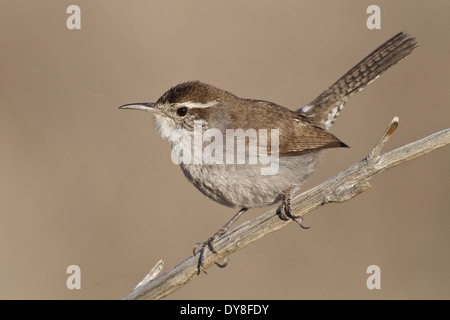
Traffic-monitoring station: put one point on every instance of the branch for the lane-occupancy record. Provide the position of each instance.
(344, 186)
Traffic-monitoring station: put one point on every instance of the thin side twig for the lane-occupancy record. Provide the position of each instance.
(384, 139)
(152, 274)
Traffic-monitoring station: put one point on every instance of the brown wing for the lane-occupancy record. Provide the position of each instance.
(303, 137)
(297, 133)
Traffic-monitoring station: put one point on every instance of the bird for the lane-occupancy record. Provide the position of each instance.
(202, 124)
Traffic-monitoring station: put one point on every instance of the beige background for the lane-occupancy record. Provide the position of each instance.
(84, 183)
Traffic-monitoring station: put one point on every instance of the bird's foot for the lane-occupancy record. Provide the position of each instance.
(201, 246)
(285, 210)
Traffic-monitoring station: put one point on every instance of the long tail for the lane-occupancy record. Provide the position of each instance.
(324, 110)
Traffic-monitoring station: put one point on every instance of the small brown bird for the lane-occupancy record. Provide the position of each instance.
(191, 114)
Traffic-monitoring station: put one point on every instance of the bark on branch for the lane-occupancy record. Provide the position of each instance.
(344, 186)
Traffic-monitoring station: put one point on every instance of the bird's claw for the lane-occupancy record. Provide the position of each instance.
(299, 222)
(200, 247)
(286, 212)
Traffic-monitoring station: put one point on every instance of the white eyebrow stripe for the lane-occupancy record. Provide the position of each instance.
(198, 105)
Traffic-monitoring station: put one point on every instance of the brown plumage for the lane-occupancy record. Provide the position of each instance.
(297, 133)
(302, 134)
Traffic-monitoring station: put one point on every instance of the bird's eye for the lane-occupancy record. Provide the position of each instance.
(182, 111)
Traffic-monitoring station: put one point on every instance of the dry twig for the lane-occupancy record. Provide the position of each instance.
(344, 186)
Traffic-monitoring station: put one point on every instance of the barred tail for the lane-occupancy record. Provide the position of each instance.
(324, 110)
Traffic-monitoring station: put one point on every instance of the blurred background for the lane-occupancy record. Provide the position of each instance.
(84, 183)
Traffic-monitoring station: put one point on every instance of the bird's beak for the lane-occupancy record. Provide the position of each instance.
(144, 106)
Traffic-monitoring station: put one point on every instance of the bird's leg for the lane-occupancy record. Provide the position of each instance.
(210, 242)
(285, 209)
